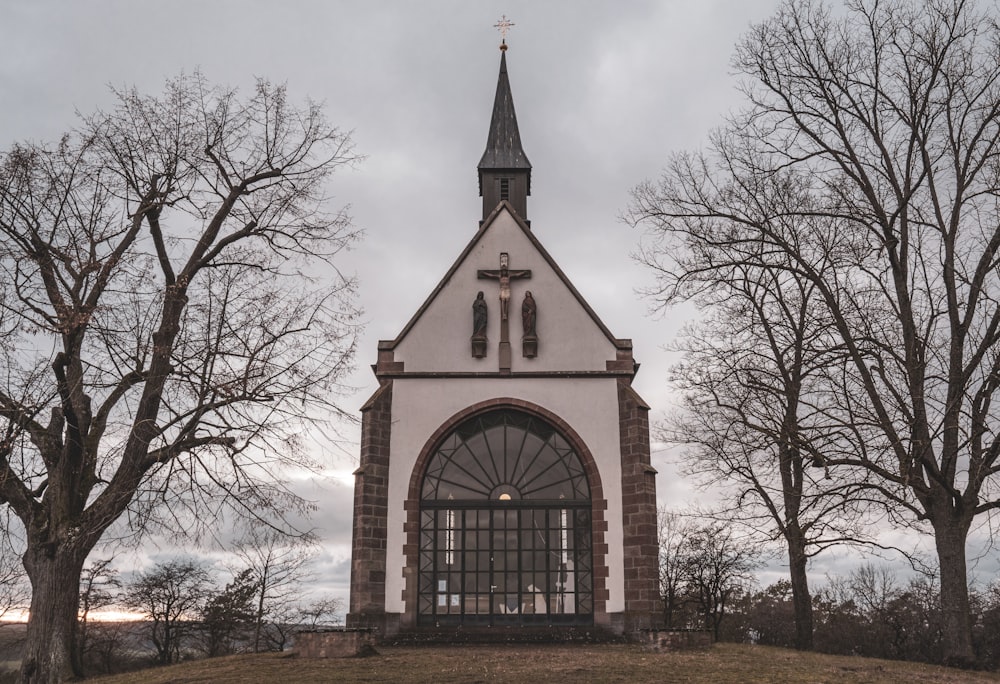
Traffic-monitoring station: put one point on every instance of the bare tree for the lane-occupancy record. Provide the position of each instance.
(14, 593)
(672, 535)
(871, 613)
(326, 611)
(278, 565)
(868, 613)
(717, 566)
(755, 416)
(283, 621)
(989, 646)
(170, 597)
(107, 645)
(99, 588)
(172, 320)
(866, 163)
(874, 588)
(228, 616)
(770, 616)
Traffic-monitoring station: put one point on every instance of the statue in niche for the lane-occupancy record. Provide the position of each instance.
(479, 316)
(529, 314)
(503, 276)
(529, 317)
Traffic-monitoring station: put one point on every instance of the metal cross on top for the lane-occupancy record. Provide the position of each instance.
(503, 26)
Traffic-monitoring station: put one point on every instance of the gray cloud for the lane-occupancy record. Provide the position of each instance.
(604, 92)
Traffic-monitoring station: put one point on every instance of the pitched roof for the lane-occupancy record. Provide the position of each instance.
(506, 206)
(503, 145)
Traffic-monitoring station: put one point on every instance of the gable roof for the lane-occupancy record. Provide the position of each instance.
(504, 205)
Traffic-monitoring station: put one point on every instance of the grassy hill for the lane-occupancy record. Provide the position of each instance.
(555, 663)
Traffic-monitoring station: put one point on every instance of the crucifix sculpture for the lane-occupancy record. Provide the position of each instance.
(504, 275)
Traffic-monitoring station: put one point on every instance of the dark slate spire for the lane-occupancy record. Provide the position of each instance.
(504, 170)
(503, 146)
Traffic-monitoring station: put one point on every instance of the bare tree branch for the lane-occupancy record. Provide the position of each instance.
(174, 255)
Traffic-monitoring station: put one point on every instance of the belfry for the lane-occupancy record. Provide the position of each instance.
(505, 477)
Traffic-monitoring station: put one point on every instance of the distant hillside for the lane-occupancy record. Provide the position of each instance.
(11, 639)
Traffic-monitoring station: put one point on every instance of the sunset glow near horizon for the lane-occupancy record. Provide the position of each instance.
(16, 616)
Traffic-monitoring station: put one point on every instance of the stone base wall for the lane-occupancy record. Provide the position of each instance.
(640, 545)
(508, 634)
(371, 506)
(382, 624)
(665, 640)
(334, 643)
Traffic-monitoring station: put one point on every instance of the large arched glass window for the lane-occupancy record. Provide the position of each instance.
(505, 526)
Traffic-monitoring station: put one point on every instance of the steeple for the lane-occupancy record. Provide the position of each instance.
(504, 170)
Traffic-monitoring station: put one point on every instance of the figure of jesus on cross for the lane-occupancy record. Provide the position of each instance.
(504, 275)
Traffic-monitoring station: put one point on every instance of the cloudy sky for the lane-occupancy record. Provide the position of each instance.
(604, 92)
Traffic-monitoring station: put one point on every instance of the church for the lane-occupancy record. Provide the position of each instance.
(505, 477)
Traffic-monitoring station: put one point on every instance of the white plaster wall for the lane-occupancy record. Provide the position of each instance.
(421, 405)
(568, 338)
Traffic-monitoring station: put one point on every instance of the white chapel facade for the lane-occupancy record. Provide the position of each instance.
(505, 475)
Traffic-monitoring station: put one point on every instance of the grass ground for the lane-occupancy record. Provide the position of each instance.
(547, 664)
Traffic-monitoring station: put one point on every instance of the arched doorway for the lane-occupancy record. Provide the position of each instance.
(505, 526)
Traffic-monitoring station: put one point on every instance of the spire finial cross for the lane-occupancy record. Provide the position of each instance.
(503, 26)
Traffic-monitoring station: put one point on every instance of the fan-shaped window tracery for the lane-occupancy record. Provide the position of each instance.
(505, 526)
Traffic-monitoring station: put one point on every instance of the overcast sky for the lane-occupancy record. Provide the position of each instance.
(604, 92)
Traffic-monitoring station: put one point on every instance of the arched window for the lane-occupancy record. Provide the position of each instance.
(505, 526)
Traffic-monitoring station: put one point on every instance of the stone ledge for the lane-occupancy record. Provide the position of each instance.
(343, 642)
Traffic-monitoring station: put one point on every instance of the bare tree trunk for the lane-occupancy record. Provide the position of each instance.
(801, 599)
(950, 538)
(669, 598)
(50, 652)
(258, 618)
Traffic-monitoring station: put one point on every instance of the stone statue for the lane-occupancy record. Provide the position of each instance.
(529, 314)
(479, 316)
(504, 279)
(504, 275)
